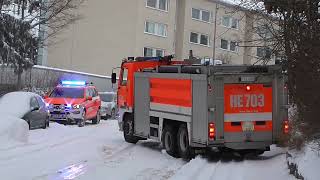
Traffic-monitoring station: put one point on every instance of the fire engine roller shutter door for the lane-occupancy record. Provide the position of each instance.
(199, 109)
(142, 105)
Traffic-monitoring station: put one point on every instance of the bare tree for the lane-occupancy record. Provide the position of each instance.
(300, 38)
(40, 19)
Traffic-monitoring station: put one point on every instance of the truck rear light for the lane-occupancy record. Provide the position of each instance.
(286, 126)
(212, 131)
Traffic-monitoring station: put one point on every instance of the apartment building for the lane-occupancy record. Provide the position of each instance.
(112, 30)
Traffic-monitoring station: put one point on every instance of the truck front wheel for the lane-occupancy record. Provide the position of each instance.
(169, 140)
(185, 151)
(128, 130)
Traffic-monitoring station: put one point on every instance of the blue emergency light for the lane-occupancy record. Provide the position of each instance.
(73, 83)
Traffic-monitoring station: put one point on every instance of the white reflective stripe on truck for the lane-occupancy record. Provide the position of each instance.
(171, 108)
(238, 117)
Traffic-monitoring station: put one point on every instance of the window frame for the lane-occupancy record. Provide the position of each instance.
(229, 45)
(87, 93)
(264, 51)
(158, 6)
(199, 39)
(124, 81)
(40, 101)
(221, 44)
(154, 51)
(36, 101)
(156, 29)
(230, 22)
(201, 15)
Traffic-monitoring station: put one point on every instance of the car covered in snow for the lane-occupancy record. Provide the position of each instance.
(74, 102)
(27, 106)
(108, 104)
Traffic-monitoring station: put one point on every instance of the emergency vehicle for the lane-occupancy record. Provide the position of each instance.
(192, 107)
(74, 102)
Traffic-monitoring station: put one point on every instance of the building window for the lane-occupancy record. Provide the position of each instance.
(201, 15)
(264, 52)
(224, 44)
(229, 45)
(230, 22)
(153, 52)
(233, 46)
(204, 40)
(158, 4)
(194, 37)
(264, 31)
(198, 38)
(156, 29)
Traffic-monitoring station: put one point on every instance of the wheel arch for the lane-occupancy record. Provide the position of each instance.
(176, 124)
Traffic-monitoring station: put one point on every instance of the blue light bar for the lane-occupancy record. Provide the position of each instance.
(74, 83)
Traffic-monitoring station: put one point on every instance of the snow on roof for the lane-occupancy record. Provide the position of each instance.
(70, 71)
(15, 104)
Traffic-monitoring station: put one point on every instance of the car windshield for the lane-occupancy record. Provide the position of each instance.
(67, 93)
(107, 97)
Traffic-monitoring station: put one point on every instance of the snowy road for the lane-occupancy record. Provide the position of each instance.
(99, 152)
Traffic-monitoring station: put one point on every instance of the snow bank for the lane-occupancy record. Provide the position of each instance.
(13, 129)
(307, 161)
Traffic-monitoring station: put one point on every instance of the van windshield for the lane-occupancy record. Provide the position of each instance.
(107, 97)
(67, 93)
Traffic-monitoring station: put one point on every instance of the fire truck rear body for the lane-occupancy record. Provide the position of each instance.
(236, 107)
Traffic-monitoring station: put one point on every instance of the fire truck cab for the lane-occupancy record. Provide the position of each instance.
(192, 107)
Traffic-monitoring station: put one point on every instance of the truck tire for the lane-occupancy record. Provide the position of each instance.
(128, 128)
(169, 140)
(184, 149)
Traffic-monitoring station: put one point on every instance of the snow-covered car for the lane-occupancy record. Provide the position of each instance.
(27, 106)
(108, 104)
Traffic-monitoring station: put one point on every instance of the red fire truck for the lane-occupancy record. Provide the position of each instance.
(192, 107)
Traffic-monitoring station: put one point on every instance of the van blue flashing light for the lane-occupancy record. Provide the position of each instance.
(73, 83)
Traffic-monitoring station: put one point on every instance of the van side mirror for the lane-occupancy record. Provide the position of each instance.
(89, 98)
(114, 78)
(35, 109)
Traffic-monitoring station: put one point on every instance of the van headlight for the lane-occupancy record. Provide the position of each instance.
(76, 106)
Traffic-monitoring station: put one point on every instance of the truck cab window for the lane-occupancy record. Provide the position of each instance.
(124, 78)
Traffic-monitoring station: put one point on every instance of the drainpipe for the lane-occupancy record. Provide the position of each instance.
(42, 49)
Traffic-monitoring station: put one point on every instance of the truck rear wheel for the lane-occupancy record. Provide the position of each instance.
(169, 140)
(185, 151)
(128, 130)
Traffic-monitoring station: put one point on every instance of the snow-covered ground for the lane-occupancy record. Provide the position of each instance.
(307, 161)
(99, 152)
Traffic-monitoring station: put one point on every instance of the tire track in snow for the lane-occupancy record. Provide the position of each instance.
(47, 146)
(78, 169)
